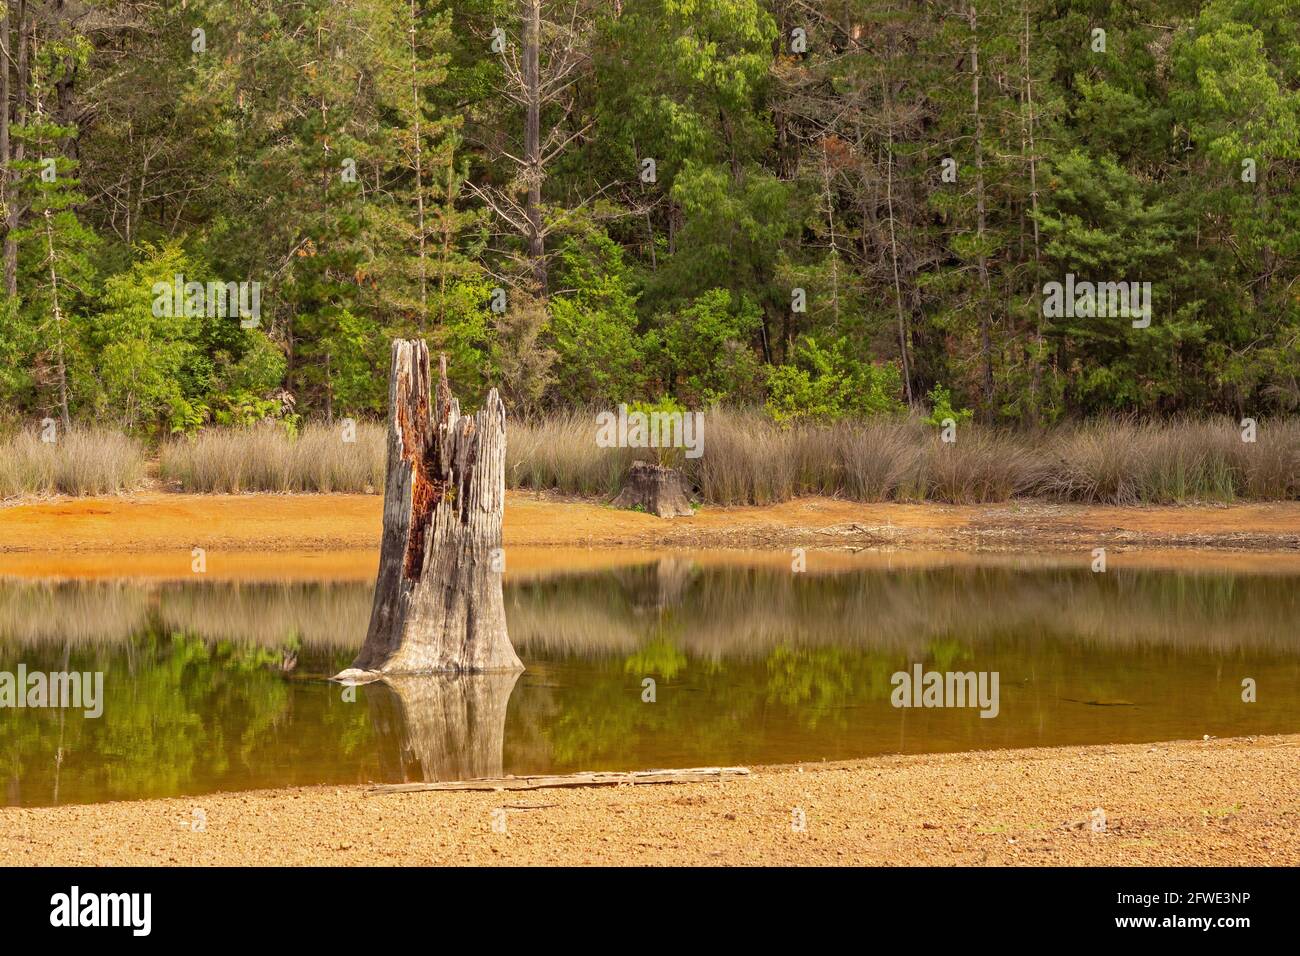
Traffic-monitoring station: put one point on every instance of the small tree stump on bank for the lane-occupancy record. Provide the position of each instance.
(656, 489)
(438, 604)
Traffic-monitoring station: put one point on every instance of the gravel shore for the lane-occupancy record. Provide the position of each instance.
(1218, 802)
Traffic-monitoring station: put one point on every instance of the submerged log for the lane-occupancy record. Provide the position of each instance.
(438, 605)
(656, 489)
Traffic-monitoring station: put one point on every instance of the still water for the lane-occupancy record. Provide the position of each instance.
(219, 686)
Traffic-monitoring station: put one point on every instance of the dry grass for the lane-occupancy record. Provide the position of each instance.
(92, 461)
(882, 460)
(1122, 462)
(265, 458)
(559, 452)
(1269, 469)
(748, 459)
(980, 466)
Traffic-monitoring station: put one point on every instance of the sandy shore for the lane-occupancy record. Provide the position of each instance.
(1220, 802)
(337, 535)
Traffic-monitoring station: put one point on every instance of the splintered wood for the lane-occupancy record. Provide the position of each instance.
(438, 605)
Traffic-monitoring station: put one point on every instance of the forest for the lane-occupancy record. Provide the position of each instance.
(217, 212)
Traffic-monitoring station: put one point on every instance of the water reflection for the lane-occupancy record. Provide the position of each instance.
(441, 727)
(219, 686)
(717, 612)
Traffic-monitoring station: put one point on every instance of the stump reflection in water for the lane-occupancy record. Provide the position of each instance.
(441, 726)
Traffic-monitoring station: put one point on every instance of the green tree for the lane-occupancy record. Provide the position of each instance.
(594, 324)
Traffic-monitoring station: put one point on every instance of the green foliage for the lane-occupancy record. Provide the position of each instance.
(593, 326)
(734, 236)
(827, 384)
(941, 409)
(357, 356)
(703, 352)
(365, 163)
(142, 351)
(464, 333)
(668, 456)
(683, 82)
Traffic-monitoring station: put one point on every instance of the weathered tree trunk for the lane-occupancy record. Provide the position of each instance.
(438, 603)
(656, 489)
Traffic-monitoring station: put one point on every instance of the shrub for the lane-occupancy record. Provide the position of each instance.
(827, 384)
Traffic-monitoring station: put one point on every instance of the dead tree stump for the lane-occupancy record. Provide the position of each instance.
(656, 489)
(438, 604)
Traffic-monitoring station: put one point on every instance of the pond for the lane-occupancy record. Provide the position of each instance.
(671, 662)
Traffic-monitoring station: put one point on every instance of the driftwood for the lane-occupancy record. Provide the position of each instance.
(656, 489)
(438, 605)
(586, 779)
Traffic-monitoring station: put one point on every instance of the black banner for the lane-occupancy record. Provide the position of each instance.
(139, 906)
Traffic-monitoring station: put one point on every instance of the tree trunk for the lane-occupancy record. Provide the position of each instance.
(830, 227)
(438, 602)
(533, 145)
(10, 249)
(419, 173)
(18, 149)
(654, 488)
(58, 325)
(986, 342)
(893, 247)
(1038, 259)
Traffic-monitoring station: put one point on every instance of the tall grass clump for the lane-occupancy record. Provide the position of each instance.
(1123, 462)
(881, 460)
(266, 458)
(1099, 462)
(1189, 461)
(1269, 467)
(748, 459)
(981, 466)
(320, 461)
(559, 452)
(83, 461)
